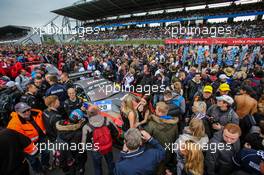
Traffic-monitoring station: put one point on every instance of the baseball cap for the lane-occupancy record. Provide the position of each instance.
(208, 88)
(223, 76)
(226, 98)
(22, 107)
(76, 115)
(224, 87)
(11, 84)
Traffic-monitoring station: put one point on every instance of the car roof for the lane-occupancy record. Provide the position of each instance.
(85, 84)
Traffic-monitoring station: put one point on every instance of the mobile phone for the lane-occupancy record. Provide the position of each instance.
(85, 105)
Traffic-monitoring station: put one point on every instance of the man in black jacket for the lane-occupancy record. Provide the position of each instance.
(73, 102)
(30, 97)
(222, 147)
(12, 145)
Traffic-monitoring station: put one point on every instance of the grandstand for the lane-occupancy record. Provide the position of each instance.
(129, 19)
(18, 34)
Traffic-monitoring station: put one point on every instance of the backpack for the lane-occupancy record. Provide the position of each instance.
(102, 137)
(178, 101)
(5, 102)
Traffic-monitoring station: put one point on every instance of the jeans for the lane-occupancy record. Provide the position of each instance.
(97, 162)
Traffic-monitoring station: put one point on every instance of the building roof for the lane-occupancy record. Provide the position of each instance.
(98, 9)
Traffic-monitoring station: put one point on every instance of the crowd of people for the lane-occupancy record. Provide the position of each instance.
(233, 8)
(205, 117)
(240, 29)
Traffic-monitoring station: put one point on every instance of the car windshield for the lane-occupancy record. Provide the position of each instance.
(101, 91)
(52, 69)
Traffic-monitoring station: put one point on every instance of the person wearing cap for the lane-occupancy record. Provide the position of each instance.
(249, 162)
(206, 96)
(70, 132)
(223, 89)
(223, 78)
(222, 113)
(245, 104)
(28, 122)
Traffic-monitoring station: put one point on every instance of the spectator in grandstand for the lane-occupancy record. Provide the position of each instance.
(51, 115)
(218, 160)
(100, 131)
(72, 161)
(73, 102)
(64, 79)
(29, 122)
(135, 157)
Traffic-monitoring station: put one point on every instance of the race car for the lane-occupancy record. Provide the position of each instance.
(102, 93)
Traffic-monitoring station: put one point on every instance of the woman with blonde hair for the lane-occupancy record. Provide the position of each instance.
(194, 159)
(195, 132)
(128, 113)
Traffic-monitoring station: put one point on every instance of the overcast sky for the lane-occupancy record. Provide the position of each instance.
(32, 13)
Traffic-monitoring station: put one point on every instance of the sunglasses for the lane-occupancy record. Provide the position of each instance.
(26, 111)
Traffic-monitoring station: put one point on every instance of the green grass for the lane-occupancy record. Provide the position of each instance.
(127, 42)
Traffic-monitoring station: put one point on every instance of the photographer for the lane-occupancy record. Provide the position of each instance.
(222, 113)
(137, 159)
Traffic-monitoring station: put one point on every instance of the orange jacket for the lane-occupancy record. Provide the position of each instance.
(26, 128)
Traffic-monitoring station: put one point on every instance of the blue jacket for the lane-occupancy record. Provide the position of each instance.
(248, 160)
(141, 162)
(59, 90)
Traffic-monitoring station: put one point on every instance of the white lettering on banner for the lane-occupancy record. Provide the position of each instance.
(57, 91)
